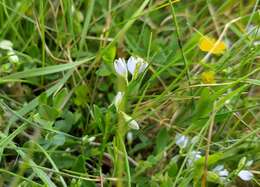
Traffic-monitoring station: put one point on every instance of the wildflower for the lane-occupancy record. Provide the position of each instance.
(118, 99)
(221, 171)
(208, 44)
(6, 44)
(193, 156)
(208, 77)
(256, 43)
(131, 122)
(245, 175)
(129, 137)
(120, 67)
(12, 56)
(181, 141)
(253, 30)
(136, 65)
(249, 163)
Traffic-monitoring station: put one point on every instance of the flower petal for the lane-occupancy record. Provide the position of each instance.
(131, 122)
(208, 44)
(120, 67)
(223, 173)
(181, 141)
(118, 99)
(245, 175)
(143, 67)
(6, 44)
(12, 56)
(131, 64)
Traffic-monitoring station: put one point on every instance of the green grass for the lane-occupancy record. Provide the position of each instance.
(59, 125)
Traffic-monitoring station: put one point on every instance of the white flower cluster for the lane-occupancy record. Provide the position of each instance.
(8, 46)
(135, 65)
(184, 142)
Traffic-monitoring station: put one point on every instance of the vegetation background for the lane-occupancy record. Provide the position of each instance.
(58, 124)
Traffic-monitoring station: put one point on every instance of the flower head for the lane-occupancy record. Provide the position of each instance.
(245, 175)
(131, 122)
(6, 44)
(208, 44)
(181, 141)
(193, 156)
(221, 171)
(120, 67)
(129, 137)
(12, 56)
(208, 77)
(118, 99)
(136, 65)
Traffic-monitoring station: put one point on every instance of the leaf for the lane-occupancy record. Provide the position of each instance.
(204, 105)
(59, 98)
(103, 71)
(58, 139)
(109, 54)
(81, 93)
(43, 98)
(63, 126)
(161, 140)
(48, 113)
(173, 170)
(79, 165)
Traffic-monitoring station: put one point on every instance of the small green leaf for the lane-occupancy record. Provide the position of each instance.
(103, 71)
(173, 170)
(60, 98)
(43, 98)
(62, 125)
(109, 54)
(79, 165)
(58, 139)
(161, 140)
(81, 93)
(48, 113)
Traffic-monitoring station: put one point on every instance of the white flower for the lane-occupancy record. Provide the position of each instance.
(91, 139)
(136, 64)
(221, 171)
(118, 99)
(6, 44)
(249, 163)
(129, 137)
(12, 56)
(120, 67)
(181, 140)
(245, 175)
(193, 156)
(131, 122)
(256, 43)
(253, 30)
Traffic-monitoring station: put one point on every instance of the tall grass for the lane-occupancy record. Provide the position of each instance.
(196, 104)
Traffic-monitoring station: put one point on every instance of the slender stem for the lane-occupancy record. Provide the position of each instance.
(204, 177)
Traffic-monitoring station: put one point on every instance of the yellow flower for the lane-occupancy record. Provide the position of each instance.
(208, 77)
(208, 44)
